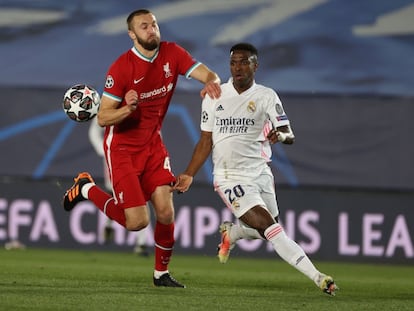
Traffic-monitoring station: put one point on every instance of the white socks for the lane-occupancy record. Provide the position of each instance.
(290, 251)
(157, 274)
(238, 232)
(85, 189)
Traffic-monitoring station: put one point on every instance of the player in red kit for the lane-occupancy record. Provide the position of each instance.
(138, 90)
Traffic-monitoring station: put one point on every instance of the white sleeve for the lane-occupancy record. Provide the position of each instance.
(207, 114)
(96, 136)
(276, 112)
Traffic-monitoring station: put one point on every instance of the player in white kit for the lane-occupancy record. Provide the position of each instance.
(238, 128)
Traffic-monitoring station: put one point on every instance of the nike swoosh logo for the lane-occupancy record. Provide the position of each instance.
(138, 81)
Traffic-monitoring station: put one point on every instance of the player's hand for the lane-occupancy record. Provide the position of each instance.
(275, 136)
(272, 137)
(182, 183)
(131, 99)
(212, 88)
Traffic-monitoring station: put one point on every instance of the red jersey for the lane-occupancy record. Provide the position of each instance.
(154, 79)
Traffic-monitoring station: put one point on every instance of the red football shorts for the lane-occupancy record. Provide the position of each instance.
(135, 175)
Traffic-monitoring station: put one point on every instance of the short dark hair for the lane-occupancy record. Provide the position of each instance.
(136, 13)
(244, 47)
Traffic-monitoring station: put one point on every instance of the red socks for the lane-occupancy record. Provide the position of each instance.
(164, 242)
(107, 205)
(163, 234)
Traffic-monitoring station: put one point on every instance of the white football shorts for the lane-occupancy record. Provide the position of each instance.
(241, 194)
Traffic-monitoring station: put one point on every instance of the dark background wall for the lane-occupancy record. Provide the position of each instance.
(344, 141)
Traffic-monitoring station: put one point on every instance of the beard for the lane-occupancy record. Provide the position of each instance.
(149, 45)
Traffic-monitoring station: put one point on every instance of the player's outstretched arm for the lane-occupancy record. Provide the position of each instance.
(200, 154)
(210, 79)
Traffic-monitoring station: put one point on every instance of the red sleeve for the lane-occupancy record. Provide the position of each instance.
(184, 60)
(116, 79)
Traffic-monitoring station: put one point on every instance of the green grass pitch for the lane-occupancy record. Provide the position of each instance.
(46, 279)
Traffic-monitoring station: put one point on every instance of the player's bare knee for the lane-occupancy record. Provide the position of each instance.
(165, 218)
(136, 224)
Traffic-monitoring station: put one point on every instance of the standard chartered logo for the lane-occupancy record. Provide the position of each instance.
(157, 92)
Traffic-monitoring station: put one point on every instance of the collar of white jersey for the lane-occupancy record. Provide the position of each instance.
(250, 88)
(144, 58)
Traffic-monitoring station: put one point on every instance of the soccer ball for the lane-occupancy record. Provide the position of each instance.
(81, 102)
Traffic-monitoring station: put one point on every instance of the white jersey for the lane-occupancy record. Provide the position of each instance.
(239, 124)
